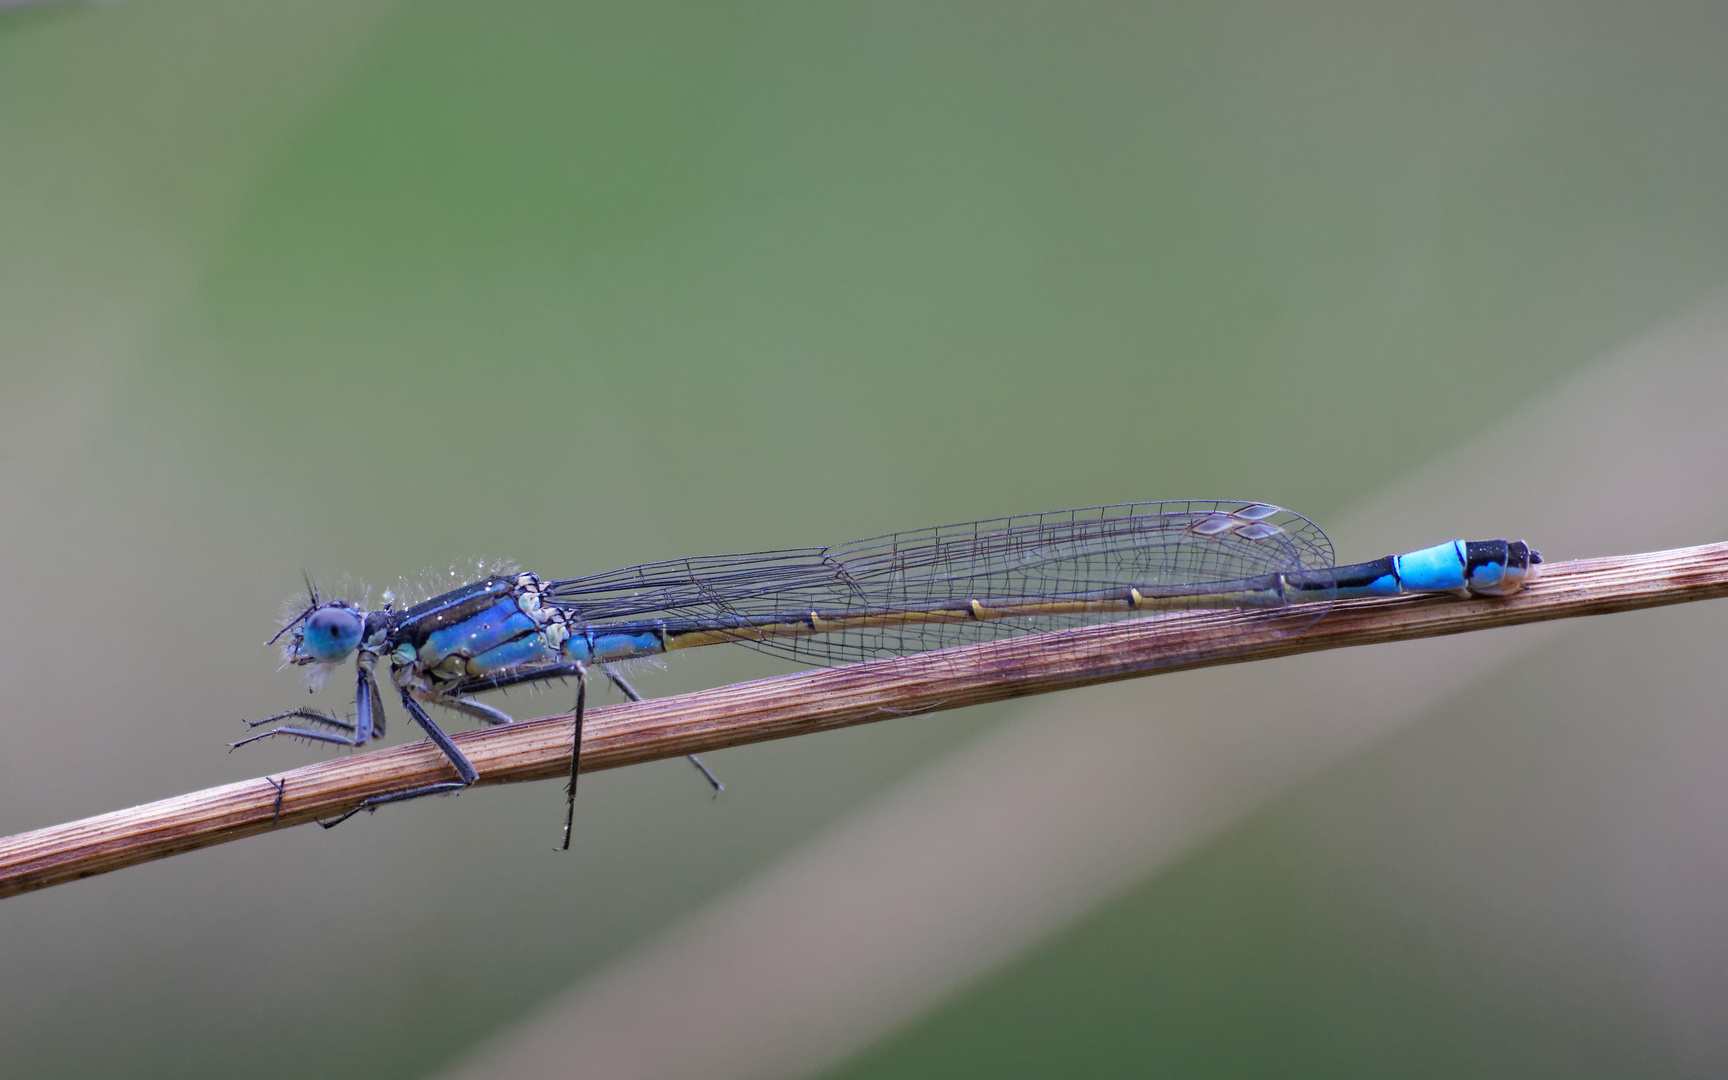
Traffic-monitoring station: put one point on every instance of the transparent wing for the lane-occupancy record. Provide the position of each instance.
(1170, 551)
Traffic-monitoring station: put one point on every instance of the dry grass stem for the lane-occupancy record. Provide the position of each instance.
(818, 700)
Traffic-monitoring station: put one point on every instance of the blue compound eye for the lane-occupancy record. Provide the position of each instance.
(331, 632)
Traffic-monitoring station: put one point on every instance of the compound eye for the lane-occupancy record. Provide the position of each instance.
(332, 632)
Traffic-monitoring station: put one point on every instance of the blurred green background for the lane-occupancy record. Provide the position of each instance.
(373, 286)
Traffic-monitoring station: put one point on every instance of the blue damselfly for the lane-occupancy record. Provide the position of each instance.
(886, 596)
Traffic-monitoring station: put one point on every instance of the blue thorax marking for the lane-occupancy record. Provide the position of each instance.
(421, 621)
(492, 627)
(531, 650)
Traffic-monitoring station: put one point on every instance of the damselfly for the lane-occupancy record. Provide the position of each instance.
(886, 596)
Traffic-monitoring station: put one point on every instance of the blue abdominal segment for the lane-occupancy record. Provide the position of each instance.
(1499, 567)
(1474, 567)
(595, 647)
(1378, 578)
(1434, 569)
(625, 646)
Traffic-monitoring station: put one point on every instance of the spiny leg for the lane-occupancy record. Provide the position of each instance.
(445, 787)
(477, 710)
(464, 768)
(617, 680)
(316, 715)
(630, 692)
(575, 756)
(713, 781)
(281, 787)
(368, 723)
(313, 715)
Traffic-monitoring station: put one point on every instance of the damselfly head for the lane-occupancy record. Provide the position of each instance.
(321, 637)
(321, 631)
(328, 634)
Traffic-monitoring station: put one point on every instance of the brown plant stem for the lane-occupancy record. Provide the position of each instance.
(818, 700)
